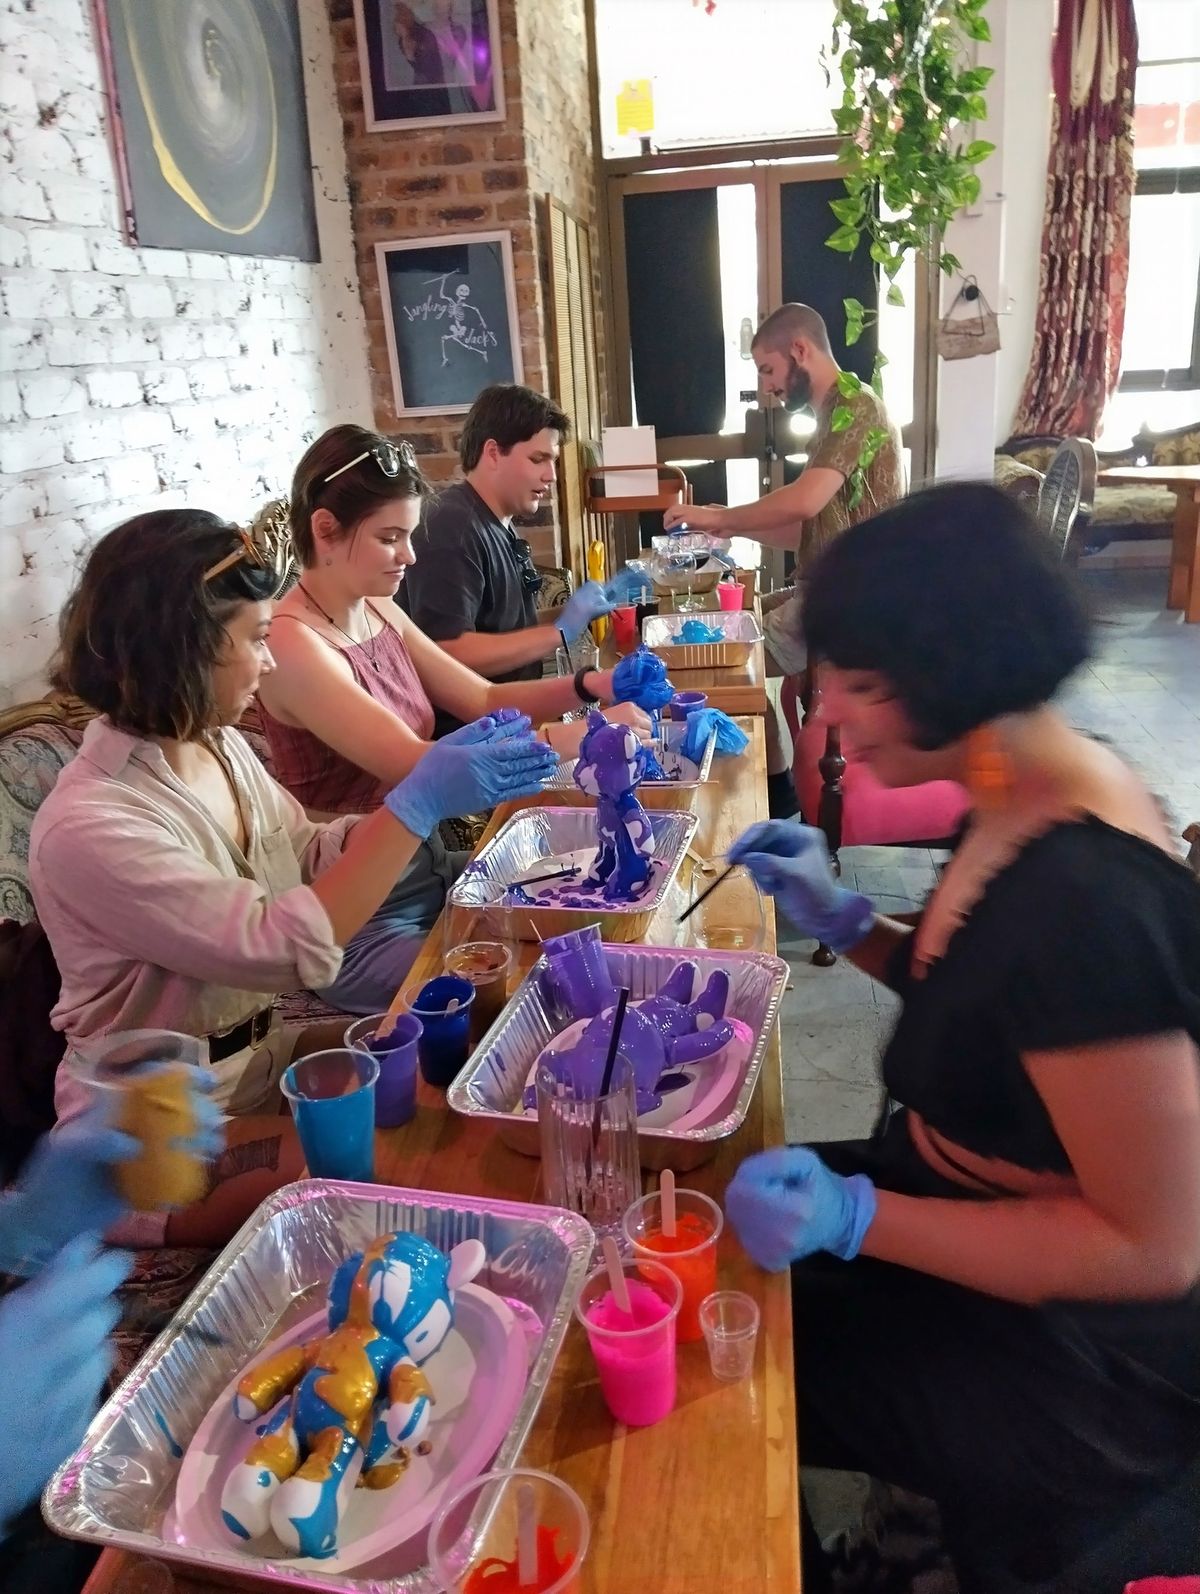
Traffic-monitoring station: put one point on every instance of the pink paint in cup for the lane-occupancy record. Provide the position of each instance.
(634, 1352)
(731, 595)
(625, 632)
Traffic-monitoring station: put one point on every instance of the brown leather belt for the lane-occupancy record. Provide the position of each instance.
(251, 1031)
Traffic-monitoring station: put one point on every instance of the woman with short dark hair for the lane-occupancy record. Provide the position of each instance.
(1017, 1335)
(179, 885)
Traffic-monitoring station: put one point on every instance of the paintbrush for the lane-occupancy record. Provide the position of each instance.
(555, 874)
(706, 893)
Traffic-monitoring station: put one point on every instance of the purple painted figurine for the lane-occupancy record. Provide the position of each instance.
(609, 768)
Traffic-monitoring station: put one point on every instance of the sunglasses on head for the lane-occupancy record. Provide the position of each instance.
(266, 547)
(391, 458)
(531, 576)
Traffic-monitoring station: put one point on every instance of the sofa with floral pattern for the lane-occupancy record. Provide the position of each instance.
(1118, 512)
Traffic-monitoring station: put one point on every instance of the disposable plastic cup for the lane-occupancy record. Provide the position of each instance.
(475, 1538)
(729, 1321)
(392, 1040)
(486, 965)
(332, 1097)
(635, 1353)
(443, 1005)
(625, 630)
(731, 595)
(685, 703)
(690, 1253)
(144, 1073)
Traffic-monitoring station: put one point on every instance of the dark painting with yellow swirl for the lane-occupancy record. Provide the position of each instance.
(210, 123)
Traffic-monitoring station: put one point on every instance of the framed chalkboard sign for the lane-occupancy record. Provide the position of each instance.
(451, 317)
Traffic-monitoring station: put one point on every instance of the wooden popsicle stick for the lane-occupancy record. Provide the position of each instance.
(616, 1276)
(666, 1190)
(527, 1556)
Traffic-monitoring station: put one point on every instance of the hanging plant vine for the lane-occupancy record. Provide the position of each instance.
(910, 92)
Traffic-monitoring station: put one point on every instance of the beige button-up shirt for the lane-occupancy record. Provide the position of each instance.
(155, 918)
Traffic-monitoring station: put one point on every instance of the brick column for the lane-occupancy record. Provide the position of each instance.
(479, 177)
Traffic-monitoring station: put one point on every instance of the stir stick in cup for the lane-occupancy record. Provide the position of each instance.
(616, 1276)
(666, 1191)
(610, 1060)
(527, 1555)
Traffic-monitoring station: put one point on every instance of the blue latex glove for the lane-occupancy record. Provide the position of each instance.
(785, 1204)
(67, 1185)
(790, 862)
(641, 679)
(455, 779)
(54, 1350)
(731, 738)
(627, 586)
(498, 726)
(586, 604)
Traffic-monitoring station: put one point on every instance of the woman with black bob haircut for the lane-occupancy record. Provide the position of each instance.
(996, 1297)
(179, 885)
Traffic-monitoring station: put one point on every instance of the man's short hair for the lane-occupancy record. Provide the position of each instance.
(791, 321)
(507, 413)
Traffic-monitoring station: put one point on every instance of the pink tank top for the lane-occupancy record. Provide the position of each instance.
(323, 780)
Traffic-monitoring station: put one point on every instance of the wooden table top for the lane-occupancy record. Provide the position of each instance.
(665, 1501)
(1179, 477)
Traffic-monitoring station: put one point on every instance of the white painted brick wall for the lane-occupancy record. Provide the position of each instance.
(131, 378)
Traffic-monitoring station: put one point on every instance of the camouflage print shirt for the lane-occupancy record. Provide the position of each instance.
(840, 451)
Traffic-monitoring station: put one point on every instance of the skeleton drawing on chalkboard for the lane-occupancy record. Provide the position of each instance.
(463, 334)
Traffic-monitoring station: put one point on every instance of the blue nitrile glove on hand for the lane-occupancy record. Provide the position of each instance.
(731, 738)
(641, 679)
(499, 726)
(54, 1350)
(67, 1185)
(627, 586)
(589, 602)
(785, 1204)
(455, 779)
(790, 862)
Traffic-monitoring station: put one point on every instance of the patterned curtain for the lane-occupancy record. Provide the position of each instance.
(1085, 231)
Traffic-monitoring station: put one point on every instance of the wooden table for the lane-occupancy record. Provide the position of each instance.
(740, 690)
(1183, 590)
(708, 1498)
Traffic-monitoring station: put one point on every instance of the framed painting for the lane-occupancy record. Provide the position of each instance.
(210, 126)
(427, 63)
(451, 317)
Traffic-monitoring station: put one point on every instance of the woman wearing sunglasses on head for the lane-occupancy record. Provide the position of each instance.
(350, 708)
(180, 886)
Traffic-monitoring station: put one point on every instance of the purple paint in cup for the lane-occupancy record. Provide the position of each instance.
(396, 1052)
(685, 703)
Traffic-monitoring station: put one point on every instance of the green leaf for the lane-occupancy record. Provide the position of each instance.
(977, 28)
(848, 385)
(854, 308)
(949, 263)
(894, 295)
(858, 486)
(841, 418)
(978, 151)
(844, 240)
(971, 189)
(849, 211)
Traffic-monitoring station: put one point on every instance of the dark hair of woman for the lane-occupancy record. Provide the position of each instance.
(140, 634)
(326, 479)
(954, 597)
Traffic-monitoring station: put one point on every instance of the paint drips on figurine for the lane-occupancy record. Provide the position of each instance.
(611, 763)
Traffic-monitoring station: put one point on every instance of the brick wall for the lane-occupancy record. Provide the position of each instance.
(474, 178)
(133, 378)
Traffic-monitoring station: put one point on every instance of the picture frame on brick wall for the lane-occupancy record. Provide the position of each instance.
(450, 310)
(429, 63)
(210, 126)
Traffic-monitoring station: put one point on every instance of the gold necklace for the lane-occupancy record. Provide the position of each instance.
(325, 614)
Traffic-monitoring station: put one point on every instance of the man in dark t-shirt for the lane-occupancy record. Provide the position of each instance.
(473, 586)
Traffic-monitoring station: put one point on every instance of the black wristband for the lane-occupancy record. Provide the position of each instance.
(581, 691)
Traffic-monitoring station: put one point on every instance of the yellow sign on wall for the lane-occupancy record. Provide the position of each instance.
(635, 107)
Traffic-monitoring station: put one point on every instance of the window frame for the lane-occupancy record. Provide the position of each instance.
(1164, 180)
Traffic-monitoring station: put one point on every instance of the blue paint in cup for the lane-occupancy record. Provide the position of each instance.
(396, 1052)
(443, 1006)
(332, 1097)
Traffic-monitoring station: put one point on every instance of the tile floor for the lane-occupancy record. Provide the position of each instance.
(1142, 692)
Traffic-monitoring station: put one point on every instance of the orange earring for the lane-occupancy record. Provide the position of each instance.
(989, 772)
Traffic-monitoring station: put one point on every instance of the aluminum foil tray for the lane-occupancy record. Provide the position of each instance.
(656, 796)
(491, 1084)
(742, 632)
(117, 1486)
(537, 833)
